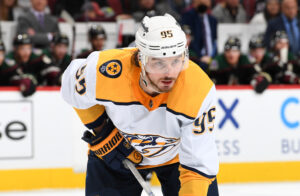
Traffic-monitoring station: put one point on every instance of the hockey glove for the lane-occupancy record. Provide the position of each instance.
(261, 81)
(290, 78)
(110, 146)
(26, 82)
(28, 85)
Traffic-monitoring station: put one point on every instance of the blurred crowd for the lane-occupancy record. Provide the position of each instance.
(40, 49)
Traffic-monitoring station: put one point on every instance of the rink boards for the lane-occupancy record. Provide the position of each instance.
(258, 138)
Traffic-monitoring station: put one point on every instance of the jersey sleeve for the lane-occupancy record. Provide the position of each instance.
(198, 155)
(78, 90)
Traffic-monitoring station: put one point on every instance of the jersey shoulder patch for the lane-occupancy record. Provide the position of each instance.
(111, 68)
(114, 75)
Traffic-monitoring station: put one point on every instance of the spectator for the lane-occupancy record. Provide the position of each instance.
(39, 25)
(287, 22)
(9, 10)
(272, 10)
(259, 58)
(283, 67)
(36, 64)
(230, 11)
(204, 30)
(111, 8)
(101, 10)
(97, 39)
(7, 68)
(59, 53)
(231, 67)
(10, 75)
(90, 11)
(149, 8)
(257, 50)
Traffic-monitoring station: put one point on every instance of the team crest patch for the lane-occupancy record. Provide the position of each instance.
(151, 145)
(111, 69)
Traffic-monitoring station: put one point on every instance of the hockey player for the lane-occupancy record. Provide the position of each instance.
(234, 68)
(7, 67)
(32, 62)
(97, 39)
(257, 50)
(226, 67)
(148, 104)
(59, 53)
(258, 57)
(282, 65)
(11, 75)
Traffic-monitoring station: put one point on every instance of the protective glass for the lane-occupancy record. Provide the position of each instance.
(165, 64)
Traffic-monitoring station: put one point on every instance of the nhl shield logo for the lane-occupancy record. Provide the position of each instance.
(111, 69)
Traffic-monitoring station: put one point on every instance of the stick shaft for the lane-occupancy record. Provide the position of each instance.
(138, 176)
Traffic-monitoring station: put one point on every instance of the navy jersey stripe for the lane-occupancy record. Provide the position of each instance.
(178, 113)
(138, 103)
(97, 122)
(197, 171)
(120, 103)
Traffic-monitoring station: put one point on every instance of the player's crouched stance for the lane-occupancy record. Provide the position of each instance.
(150, 105)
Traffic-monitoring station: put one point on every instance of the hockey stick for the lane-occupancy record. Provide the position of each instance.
(138, 176)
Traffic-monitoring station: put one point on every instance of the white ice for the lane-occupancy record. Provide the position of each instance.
(253, 189)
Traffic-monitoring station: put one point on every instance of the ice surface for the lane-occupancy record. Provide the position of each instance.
(253, 189)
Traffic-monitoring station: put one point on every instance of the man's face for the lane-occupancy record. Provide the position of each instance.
(273, 7)
(258, 54)
(232, 56)
(163, 72)
(1, 57)
(98, 43)
(60, 50)
(290, 8)
(23, 52)
(39, 5)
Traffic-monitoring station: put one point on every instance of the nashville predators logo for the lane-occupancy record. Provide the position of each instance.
(111, 69)
(151, 145)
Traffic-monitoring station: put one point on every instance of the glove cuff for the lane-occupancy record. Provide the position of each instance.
(108, 144)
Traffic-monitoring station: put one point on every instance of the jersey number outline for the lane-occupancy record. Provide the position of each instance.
(165, 34)
(200, 124)
(80, 86)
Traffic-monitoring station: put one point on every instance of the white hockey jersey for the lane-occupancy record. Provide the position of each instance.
(180, 122)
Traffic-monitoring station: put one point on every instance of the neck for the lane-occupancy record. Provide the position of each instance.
(146, 86)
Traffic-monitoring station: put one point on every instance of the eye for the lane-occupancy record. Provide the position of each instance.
(176, 62)
(159, 64)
